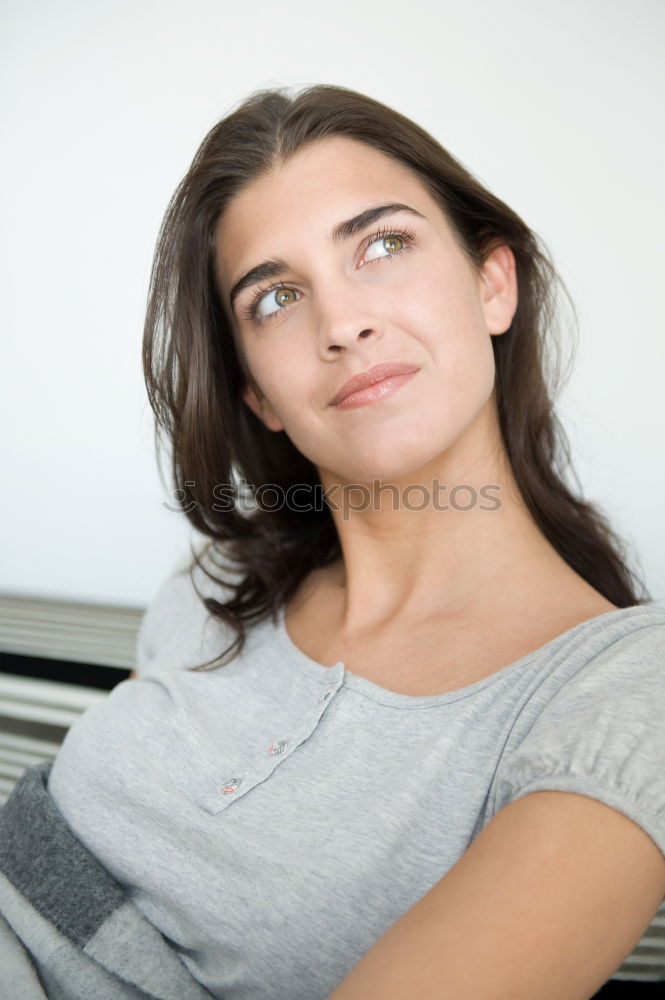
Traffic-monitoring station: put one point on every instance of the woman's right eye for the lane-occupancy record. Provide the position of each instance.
(279, 295)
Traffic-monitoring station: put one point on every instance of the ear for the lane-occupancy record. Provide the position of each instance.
(498, 289)
(260, 406)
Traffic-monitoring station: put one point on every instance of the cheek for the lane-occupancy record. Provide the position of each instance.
(444, 314)
(285, 389)
(435, 295)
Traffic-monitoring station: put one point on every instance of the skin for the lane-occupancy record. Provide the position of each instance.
(429, 306)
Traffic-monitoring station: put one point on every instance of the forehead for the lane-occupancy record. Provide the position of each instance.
(338, 162)
(327, 181)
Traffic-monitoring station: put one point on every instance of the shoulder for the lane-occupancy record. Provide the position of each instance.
(630, 638)
(176, 622)
(593, 722)
(613, 663)
(609, 641)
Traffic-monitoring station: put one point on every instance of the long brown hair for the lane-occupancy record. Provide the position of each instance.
(194, 373)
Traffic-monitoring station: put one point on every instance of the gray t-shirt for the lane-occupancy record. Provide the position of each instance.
(275, 816)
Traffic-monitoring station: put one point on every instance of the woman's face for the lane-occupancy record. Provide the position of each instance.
(397, 288)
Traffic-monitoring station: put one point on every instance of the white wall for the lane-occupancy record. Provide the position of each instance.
(556, 107)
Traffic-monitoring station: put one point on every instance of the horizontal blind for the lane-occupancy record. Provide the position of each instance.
(67, 630)
(17, 753)
(647, 960)
(51, 703)
(32, 706)
(35, 713)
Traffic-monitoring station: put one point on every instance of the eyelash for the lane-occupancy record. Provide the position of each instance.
(249, 312)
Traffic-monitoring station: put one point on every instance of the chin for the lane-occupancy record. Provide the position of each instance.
(388, 468)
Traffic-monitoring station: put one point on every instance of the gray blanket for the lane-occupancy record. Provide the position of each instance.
(67, 929)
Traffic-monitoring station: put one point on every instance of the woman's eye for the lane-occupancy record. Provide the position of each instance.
(391, 245)
(280, 297)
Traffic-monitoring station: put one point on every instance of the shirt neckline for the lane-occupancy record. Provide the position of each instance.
(337, 672)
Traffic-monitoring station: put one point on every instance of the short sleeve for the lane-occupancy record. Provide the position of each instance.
(176, 630)
(601, 734)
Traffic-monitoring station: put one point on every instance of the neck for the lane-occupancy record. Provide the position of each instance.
(454, 539)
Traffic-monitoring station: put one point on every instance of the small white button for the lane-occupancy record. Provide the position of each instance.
(231, 785)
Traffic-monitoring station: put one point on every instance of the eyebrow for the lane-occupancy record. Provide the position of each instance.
(342, 231)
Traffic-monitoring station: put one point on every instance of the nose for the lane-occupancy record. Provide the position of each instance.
(345, 316)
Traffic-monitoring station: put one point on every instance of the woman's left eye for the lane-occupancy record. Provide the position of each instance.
(392, 244)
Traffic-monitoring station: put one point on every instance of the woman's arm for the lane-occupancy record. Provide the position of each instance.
(553, 895)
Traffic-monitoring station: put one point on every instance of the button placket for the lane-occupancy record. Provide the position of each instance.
(279, 750)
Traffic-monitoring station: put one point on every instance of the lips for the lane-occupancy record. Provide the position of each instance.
(371, 376)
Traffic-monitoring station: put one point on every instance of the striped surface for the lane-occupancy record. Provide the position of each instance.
(35, 713)
(66, 630)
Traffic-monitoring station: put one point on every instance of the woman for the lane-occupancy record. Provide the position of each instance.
(395, 730)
